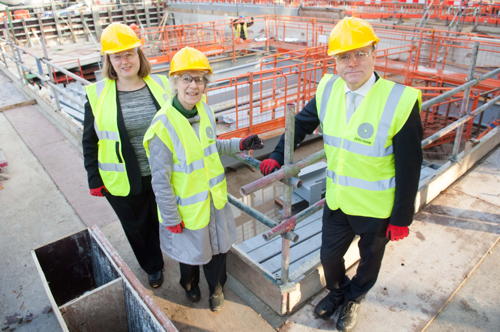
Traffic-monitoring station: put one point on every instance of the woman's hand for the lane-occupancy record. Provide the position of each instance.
(99, 192)
(252, 142)
(177, 228)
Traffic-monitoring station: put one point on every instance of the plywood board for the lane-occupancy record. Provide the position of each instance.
(102, 309)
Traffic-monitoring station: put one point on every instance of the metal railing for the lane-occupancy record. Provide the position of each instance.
(29, 69)
(292, 169)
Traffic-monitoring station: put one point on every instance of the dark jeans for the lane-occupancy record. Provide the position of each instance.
(339, 230)
(139, 218)
(215, 274)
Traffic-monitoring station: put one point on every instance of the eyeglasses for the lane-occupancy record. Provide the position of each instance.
(358, 56)
(123, 56)
(199, 80)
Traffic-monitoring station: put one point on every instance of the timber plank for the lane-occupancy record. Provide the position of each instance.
(258, 241)
(297, 252)
(273, 248)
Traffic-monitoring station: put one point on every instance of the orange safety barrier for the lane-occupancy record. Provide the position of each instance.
(21, 14)
(429, 59)
(471, 11)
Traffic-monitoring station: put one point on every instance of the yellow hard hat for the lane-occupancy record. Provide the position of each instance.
(350, 33)
(188, 58)
(118, 37)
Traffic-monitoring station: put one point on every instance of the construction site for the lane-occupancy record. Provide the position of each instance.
(66, 264)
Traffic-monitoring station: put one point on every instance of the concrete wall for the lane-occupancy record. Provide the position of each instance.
(183, 12)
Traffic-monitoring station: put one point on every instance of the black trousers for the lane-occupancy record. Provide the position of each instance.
(139, 218)
(215, 274)
(339, 230)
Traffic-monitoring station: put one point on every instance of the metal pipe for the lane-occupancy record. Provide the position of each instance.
(290, 223)
(464, 107)
(255, 163)
(259, 216)
(460, 121)
(66, 72)
(287, 195)
(459, 88)
(286, 171)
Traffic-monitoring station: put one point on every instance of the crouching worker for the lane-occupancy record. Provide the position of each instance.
(197, 225)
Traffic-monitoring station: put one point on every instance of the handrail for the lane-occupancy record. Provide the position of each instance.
(429, 103)
(459, 122)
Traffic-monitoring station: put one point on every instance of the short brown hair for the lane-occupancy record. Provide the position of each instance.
(144, 69)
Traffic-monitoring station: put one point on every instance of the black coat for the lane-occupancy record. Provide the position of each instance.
(89, 145)
(407, 159)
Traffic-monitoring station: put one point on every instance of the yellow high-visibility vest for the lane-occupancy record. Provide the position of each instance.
(198, 174)
(102, 99)
(237, 30)
(360, 160)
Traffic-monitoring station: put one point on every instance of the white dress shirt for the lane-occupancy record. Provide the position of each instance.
(354, 97)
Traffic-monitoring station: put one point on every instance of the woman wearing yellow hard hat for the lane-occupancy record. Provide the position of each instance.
(117, 114)
(197, 226)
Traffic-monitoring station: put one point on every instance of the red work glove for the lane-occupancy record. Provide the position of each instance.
(252, 142)
(267, 166)
(176, 229)
(395, 233)
(98, 191)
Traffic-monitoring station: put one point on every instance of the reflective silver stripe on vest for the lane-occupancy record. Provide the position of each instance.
(200, 197)
(183, 168)
(216, 180)
(362, 184)
(326, 96)
(210, 114)
(212, 148)
(112, 167)
(332, 140)
(179, 149)
(377, 149)
(160, 82)
(99, 86)
(388, 114)
(104, 134)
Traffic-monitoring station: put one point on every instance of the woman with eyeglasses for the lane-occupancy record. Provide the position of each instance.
(197, 225)
(117, 114)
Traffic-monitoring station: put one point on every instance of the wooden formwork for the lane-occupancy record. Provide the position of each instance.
(83, 25)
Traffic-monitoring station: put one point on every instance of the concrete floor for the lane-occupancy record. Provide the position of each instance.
(444, 277)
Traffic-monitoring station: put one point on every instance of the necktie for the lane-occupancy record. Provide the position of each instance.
(351, 104)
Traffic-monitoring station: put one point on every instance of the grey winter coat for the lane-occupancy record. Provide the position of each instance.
(194, 247)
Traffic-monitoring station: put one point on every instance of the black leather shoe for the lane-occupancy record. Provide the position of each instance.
(347, 317)
(194, 294)
(216, 301)
(327, 306)
(155, 279)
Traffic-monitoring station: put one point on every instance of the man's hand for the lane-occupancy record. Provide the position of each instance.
(177, 228)
(396, 233)
(100, 191)
(267, 166)
(252, 142)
